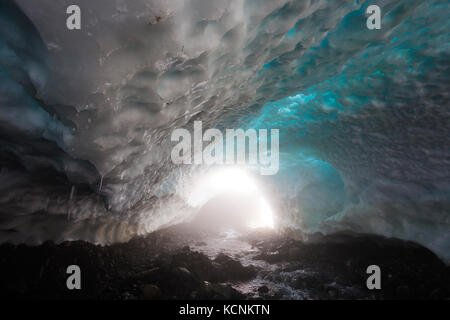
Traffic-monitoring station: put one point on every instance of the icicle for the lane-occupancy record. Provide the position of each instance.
(72, 192)
(71, 197)
(101, 184)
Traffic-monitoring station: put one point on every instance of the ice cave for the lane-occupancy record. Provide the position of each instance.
(86, 122)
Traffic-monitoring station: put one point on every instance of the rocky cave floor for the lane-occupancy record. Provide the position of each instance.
(182, 262)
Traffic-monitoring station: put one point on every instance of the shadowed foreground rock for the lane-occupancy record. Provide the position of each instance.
(163, 266)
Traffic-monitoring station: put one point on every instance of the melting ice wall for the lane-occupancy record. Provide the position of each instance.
(86, 115)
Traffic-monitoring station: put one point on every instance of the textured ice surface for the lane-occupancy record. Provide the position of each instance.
(363, 114)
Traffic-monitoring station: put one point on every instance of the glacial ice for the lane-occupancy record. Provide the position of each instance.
(363, 114)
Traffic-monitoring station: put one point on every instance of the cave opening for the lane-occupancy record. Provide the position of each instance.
(230, 198)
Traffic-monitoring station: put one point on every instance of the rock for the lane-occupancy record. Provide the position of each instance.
(263, 289)
(221, 258)
(150, 291)
(183, 282)
(332, 293)
(185, 277)
(294, 253)
(21, 286)
(184, 272)
(198, 264)
(436, 294)
(282, 293)
(128, 296)
(402, 291)
(147, 275)
(306, 282)
(226, 292)
(270, 256)
(234, 270)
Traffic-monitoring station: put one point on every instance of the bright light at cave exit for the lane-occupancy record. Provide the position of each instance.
(233, 181)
